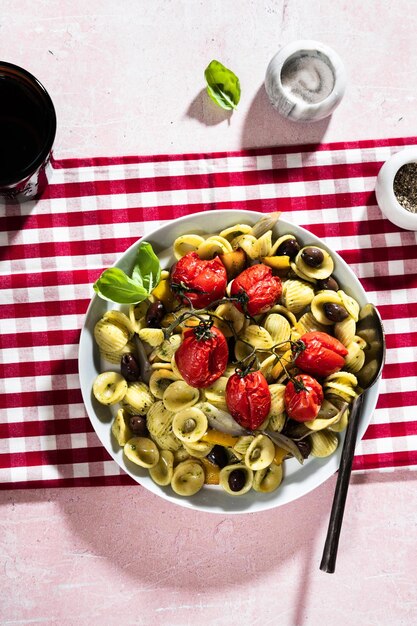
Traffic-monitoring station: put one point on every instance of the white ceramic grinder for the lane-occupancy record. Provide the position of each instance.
(305, 80)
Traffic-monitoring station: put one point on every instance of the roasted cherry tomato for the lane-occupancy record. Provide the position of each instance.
(322, 354)
(203, 355)
(303, 397)
(262, 289)
(248, 398)
(201, 281)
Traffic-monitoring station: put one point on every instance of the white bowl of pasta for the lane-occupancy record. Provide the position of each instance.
(159, 457)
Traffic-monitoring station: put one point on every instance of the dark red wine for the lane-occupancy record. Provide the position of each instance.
(27, 125)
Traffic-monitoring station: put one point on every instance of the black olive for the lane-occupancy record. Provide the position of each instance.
(289, 247)
(313, 257)
(304, 447)
(328, 283)
(138, 425)
(155, 314)
(129, 368)
(218, 456)
(237, 479)
(335, 312)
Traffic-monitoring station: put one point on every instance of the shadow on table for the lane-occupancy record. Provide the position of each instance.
(205, 111)
(264, 126)
(399, 475)
(13, 218)
(166, 547)
(161, 546)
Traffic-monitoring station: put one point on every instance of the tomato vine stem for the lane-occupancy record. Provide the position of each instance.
(241, 298)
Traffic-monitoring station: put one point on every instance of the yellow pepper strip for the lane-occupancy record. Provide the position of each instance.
(280, 455)
(219, 438)
(285, 360)
(277, 262)
(191, 321)
(163, 293)
(211, 472)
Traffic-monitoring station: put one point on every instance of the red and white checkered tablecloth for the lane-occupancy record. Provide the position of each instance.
(53, 250)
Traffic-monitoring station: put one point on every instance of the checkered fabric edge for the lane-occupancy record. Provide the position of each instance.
(53, 250)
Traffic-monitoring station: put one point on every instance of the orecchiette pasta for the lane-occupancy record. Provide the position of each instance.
(355, 357)
(162, 472)
(341, 384)
(308, 323)
(110, 388)
(114, 356)
(323, 443)
(241, 446)
(216, 393)
(297, 295)
(267, 479)
(142, 451)
(120, 428)
(276, 246)
(137, 399)
(258, 337)
(318, 303)
(165, 350)
(229, 319)
(159, 382)
(277, 416)
(178, 396)
(187, 478)
(185, 244)
(110, 337)
(260, 453)
(189, 424)
(351, 306)
(300, 274)
(159, 422)
(266, 365)
(345, 330)
(248, 243)
(213, 246)
(235, 231)
(318, 273)
(278, 327)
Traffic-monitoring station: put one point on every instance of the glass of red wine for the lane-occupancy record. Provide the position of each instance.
(27, 133)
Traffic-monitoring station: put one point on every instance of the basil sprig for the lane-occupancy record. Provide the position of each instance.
(116, 286)
(223, 85)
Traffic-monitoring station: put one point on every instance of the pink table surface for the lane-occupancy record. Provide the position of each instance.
(127, 78)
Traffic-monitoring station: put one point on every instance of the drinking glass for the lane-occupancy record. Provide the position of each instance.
(27, 133)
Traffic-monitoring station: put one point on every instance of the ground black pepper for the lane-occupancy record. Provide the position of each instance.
(405, 186)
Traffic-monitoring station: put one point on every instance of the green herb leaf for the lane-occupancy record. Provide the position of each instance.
(223, 85)
(114, 285)
(147, 270)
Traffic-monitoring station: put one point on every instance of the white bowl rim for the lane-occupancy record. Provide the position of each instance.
(253, 501)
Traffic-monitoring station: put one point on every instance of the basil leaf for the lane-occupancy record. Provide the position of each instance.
(137, 276)
(114, 285)
(223, 85)
(147, 270)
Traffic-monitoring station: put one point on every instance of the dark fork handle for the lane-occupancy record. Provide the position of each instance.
(328, 561)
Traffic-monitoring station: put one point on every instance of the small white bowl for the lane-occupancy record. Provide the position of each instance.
(384, 190)
(295, 108)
